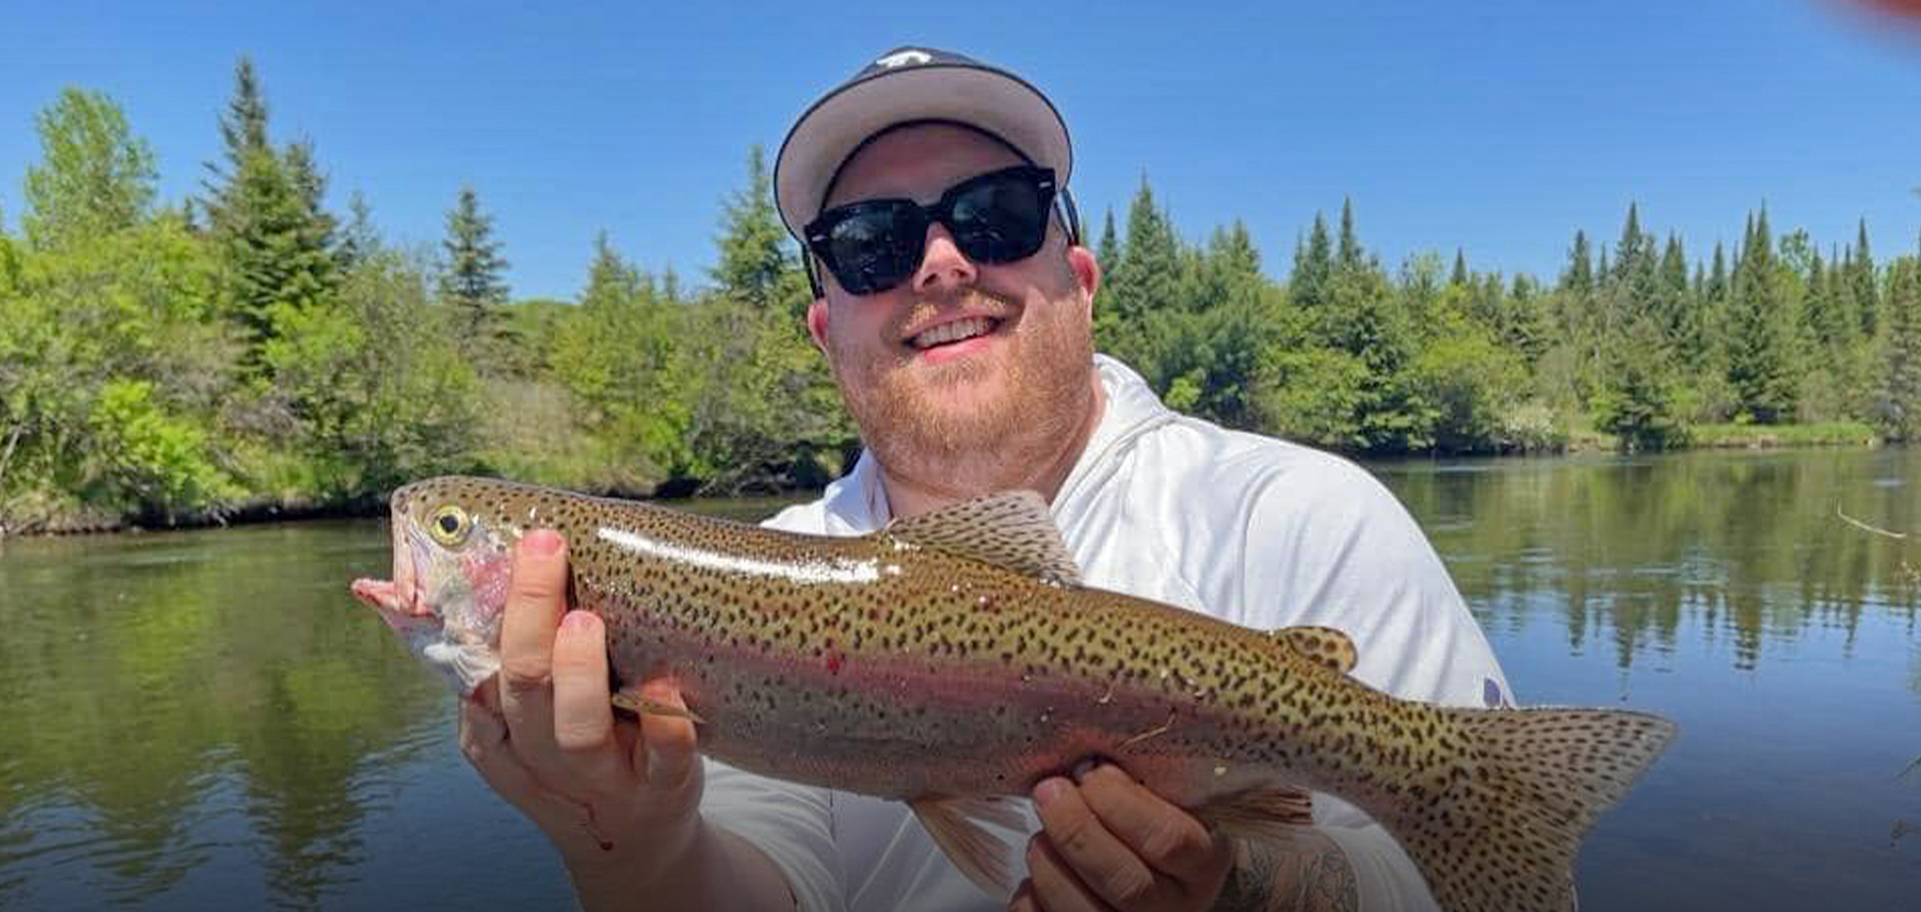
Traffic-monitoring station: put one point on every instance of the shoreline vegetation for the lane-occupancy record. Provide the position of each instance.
(251, 353)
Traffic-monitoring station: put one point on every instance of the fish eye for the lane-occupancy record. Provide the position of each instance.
(449, 526)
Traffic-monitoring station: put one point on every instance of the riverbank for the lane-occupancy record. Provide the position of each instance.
(1580, 442)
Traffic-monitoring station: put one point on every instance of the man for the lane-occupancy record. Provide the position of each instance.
(954, 303)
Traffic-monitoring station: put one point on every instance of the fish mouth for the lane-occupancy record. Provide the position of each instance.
(397, 600)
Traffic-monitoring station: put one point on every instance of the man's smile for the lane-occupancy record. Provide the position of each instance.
(955, 331)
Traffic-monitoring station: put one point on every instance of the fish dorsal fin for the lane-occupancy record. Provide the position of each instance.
(1012, 529)
(1325, 645)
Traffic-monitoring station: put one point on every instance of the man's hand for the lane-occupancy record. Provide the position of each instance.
(615, 797)
(1107, 844)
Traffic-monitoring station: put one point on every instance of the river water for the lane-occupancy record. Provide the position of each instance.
(205, 720)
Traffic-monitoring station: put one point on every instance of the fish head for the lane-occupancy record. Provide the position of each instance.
(453, 543)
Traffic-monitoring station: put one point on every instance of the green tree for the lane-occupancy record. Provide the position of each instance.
(379, 390)
(756, 261)
(622, 355)
(110, 367)
(1108, 249)
(764, 413)
(1147, 278)
(1635, 400)
(1205, 360)
(1759, 359)
(1146, 287)
(1350, 255)
(1897, 404)
(1863, 282)
(360, 238)
(95, 176)
(470, 280)
(264, 213)
(1313, 266)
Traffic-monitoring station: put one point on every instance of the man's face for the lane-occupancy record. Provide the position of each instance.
(963, 360)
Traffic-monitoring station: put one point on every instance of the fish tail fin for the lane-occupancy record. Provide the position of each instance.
(1503, 832)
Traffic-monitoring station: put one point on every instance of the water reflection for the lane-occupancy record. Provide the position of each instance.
(177, 698)
(1621, 551)
(206, 720)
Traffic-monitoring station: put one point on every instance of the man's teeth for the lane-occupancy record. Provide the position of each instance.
(953, 332)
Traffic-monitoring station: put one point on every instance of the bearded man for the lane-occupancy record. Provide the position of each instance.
(954, 301)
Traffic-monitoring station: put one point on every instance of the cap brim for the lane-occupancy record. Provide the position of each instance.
(983, 97)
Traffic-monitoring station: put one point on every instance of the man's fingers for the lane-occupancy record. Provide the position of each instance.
(534, 597)
(483, 739)
(1081, 841)
(1023, 899)
(583, 711)
(1164, 836)
(666, 754)
(1054, 884)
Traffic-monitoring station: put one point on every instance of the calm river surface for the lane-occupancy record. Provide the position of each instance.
(205, 720)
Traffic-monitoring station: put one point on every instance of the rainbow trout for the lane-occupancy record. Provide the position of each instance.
(953, 660)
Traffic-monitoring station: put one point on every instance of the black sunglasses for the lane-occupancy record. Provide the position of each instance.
(873, 245)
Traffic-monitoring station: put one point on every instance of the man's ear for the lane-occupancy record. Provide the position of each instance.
(1087, 272)
(817, 323)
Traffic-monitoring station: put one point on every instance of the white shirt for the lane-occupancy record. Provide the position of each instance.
(1246, 528)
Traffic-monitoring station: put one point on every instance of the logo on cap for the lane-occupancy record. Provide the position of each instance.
(904, 58)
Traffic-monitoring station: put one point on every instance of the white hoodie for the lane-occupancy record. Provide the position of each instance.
(1246, 528)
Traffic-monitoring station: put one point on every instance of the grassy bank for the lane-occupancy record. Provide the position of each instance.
(1755, 437)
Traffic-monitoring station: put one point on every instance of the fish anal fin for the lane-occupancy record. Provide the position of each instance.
(1012, 529)
(957, 827)
(632, 701)
(1270, 814)
(1325, 645)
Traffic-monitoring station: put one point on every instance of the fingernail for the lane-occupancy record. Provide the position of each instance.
(544, 542)
(1049, 790)
(578, 621)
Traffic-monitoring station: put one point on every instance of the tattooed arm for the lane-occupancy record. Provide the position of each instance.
(1313, 876)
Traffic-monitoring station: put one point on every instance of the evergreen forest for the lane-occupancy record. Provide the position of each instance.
(249, 351)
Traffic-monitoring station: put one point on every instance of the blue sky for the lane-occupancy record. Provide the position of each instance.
(1496, 125)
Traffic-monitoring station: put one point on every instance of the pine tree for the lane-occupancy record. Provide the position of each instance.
(1349, 255)
(264, 213)
(758, 264)
(612, 282)
(1821, 314)
(1635, 250)
(1313, 265)
(95, 177)
(360, 239)
(1108, 251)
(1148, 277)
(243, 128)
(1578, 275)
(1459, 276)
(1758, 355)
(1526, 328)
(1678, 312)
(1864, 281)
(470, 281)
(1898, 406)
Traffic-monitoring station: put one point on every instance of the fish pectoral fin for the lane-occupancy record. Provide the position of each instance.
(1265, 814)
(956, 825)
(633, 702)
(1012, 529)
(1325, 645)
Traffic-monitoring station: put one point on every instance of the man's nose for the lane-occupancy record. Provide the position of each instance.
(943, 268)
